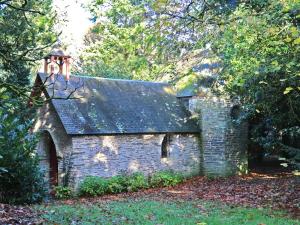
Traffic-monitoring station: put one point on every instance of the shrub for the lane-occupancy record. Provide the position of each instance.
(94, 186)
(117, 184)
(21, 180)
(165, 179)
(62, 192)
(136, 181)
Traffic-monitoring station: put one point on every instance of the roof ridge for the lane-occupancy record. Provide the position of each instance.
(113, 79)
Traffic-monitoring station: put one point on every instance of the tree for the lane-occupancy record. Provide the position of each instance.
(259, 49)
(20, 177)
(26, 32)
(146, 39)
(125, 43)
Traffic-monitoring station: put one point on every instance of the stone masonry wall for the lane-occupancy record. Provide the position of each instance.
(48, 121)
(224, 143)
(107, 156)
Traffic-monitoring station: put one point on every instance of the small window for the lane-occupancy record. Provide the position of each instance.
(165, 147)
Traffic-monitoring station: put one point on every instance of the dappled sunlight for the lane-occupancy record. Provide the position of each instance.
(170, 161)
(134, 166)
(169, 90)
(110, 143)
(148, 137)
(265, 176)
(167, 162)
(62, 175)
(195, 158)
(37, 125)
(82, 100)
(181, 146)
(100, 157)
(180, 192)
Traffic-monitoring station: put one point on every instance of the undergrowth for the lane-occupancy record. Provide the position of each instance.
(97, 186)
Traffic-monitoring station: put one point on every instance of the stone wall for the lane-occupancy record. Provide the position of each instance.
(107, 156)
(48, 121)
(224, 142)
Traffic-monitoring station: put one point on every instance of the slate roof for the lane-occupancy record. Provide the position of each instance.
(111, 106)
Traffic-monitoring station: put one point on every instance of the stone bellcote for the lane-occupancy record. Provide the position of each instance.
(57, 62)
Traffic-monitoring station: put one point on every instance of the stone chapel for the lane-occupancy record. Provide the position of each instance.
(104, 127)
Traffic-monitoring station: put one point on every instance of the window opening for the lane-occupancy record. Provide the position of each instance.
(165, 147)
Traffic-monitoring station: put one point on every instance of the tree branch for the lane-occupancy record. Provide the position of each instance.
(22, 8)
(34, 99)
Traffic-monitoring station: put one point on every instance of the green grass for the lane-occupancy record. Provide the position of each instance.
(146, 212)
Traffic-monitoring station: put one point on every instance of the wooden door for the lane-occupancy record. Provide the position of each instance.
(53, 163)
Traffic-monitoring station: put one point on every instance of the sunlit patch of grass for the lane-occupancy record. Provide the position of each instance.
(158, 212)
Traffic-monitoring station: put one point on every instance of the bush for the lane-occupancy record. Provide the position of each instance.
(117, 184)
(165, 179)
(136, 181)
(21, 180)
(62, 192)
(94, 186)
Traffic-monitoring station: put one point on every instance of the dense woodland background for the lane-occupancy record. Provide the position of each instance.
(253, 46)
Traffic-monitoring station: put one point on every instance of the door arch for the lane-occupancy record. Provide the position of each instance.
(53, 163)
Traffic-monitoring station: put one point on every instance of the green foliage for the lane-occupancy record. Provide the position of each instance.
(124, 44)
(190, 212)
(259, 50)
(136, 181)
(117, 184)
(97, 186)
(165, 179)
(26, 32)
(124, 183)
(20, 178)
(93, 186)
(25, 41)
(62, 192)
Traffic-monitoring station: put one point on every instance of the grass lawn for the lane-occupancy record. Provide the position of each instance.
(160, 212)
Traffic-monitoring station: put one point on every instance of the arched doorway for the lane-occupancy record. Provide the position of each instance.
(53, 163)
